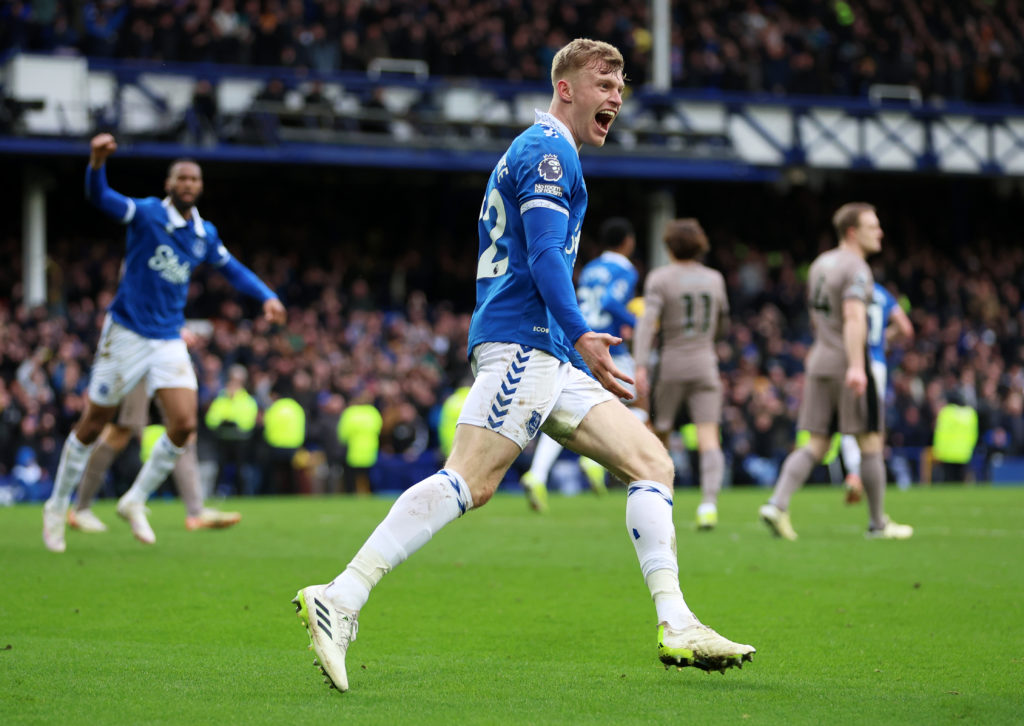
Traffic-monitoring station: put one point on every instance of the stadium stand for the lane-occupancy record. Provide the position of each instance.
(971, 51)
(382, 309)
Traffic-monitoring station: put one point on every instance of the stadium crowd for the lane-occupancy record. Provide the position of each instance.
(390, 333)
(972, 51)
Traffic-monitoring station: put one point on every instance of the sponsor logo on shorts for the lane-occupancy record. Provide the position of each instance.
(533, 424)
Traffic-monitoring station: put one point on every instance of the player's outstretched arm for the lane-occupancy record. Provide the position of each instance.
(246, 282)
(97, 190)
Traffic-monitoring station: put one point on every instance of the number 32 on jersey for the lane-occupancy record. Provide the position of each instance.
(487, 266)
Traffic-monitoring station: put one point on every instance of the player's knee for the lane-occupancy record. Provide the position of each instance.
(656, 465)
(181, 429)
(481, 494)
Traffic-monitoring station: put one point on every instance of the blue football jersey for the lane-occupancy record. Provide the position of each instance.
(162, 250)
(540, 169)
(879, 312)
(606, 285)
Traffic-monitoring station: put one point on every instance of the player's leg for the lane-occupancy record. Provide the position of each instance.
(120, 363)
(623, 445)
(817, 415)
(497, 420)
(535, 481)
(110, 444)
(667, 398)
(73, 458)
(171, 378)
(712, 472)
(705, 405)
(189, 485)
(131, 419)
(864, 416)
(180, 411)
(853, 485)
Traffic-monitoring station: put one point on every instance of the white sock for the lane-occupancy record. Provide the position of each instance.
(415, 517)
(650, 527)
(153, 473)
(73, 459)
(851, 453)
(544, 456)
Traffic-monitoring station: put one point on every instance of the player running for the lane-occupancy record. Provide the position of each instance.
(525, 330)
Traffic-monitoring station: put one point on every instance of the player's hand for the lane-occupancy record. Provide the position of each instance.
(101, 146)
(190, 338)
(643, 385)
(593, 348)
(274, 311)
(856, 379)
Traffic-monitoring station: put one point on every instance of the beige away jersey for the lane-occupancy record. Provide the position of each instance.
(687, 301)
(834, 276)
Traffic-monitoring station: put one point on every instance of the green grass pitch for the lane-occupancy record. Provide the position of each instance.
(509, 617)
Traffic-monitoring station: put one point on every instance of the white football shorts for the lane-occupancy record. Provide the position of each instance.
(881, 374)
(520, 390)
(123, 358)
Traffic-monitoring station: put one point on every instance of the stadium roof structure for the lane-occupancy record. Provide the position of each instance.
(53, 104)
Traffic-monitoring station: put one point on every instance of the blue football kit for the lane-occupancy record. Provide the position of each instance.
(606, 286)
(162, 250)
(879, 312)
(529, 231)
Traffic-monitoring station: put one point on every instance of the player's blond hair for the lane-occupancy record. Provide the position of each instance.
(848, 217)
(686, 239)
(582, 52)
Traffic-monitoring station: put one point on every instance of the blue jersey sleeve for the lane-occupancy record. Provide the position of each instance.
(541, 179)
(111, 203)
(245, 281)
(216, 253)
(545, 233)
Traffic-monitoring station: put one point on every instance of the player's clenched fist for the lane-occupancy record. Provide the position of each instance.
(101, 146)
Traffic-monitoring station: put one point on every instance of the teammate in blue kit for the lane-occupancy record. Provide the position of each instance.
(141, 338)
(526, 329)
(887, 322)
(607, 284)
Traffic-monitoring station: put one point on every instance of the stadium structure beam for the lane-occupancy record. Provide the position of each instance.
(33, 236)
(661, 210)
(661, 40)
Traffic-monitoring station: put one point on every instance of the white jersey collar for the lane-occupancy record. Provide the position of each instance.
(178, 221)
(543, 117)
(617, 257)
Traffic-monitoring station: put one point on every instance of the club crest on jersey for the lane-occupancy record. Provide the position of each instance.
(199, 247)
(550, 168)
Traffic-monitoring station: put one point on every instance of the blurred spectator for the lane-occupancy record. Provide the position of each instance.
(231, 418)
(201, 119)
(284, 433)
(359, 430)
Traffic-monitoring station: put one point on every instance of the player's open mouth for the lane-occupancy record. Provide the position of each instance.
(604, 119)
